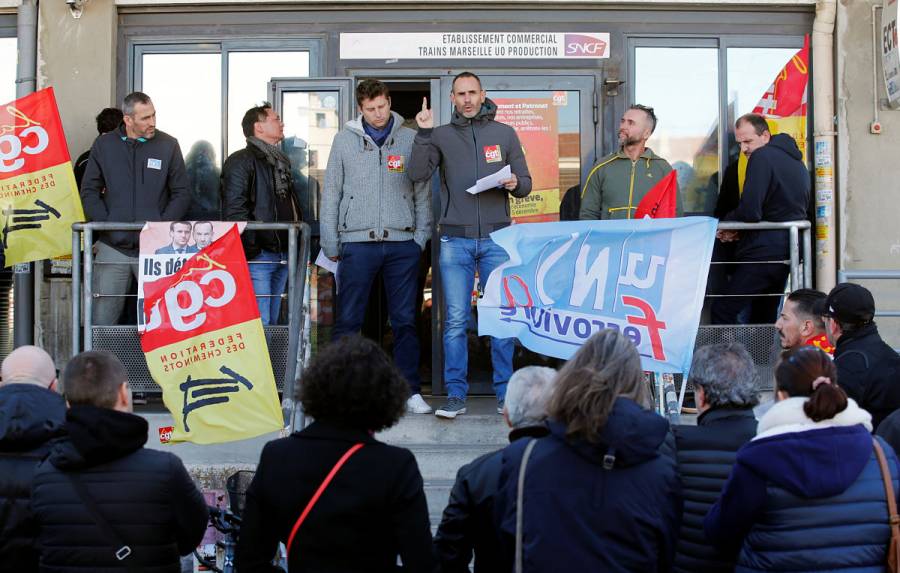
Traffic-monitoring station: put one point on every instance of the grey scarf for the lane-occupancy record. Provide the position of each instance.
(281, 166)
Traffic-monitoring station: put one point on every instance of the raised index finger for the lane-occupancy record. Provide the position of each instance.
(424, 104)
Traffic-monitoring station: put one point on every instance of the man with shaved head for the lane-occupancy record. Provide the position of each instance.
(31, 414)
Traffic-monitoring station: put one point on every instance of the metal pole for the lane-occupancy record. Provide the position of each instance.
(88, 284)
(23, 282)
(76, 291)
(807, 258)
(795, 258)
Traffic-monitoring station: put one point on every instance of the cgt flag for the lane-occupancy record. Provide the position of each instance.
(784, 104)
(565, 281)
(660, 202)
(205, 347)
(38, 197)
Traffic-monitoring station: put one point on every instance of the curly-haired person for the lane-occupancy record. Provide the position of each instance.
(373, 509)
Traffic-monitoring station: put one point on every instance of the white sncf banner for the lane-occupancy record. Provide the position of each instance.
(474, 45)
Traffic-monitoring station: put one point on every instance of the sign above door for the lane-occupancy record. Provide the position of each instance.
(474, 45)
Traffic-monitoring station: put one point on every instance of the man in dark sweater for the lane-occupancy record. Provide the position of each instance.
(776, 189)
(725, 388)
(470, 147)
(31, 415)
(467, 525)
(134, 174)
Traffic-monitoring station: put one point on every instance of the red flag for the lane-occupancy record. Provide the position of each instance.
(787, 94)
(660, 202)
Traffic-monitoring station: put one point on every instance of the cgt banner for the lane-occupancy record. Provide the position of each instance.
(38, 197)
(566, 281)
(205, 347)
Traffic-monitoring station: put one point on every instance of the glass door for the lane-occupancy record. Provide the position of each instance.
(313, 111)
(555, 119)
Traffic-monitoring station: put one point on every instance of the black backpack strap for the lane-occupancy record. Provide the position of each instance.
(122, 550)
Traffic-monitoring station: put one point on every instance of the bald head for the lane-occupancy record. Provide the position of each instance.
(28, 365)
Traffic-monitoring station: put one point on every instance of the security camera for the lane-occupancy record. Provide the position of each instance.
(76, 7)
(71, 2)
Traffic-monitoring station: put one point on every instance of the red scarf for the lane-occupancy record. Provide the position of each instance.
(821, 342)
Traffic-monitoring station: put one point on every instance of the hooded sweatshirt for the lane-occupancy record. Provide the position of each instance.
(368, 194)
(806, 496)
(467, 150)
(145, 495)
(30, 417)
(611, 505)
(776, 189)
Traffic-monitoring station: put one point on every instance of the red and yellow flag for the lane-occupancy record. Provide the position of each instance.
(205, 347)
(38, 197)
(784, 104)
(660, 202)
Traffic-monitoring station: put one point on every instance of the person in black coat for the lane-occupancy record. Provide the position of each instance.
(777, 188)
(868, 369)
(373, 510)
(31, 415)
(467, 525)
(726, 390)
(145, 497)
(601, 491)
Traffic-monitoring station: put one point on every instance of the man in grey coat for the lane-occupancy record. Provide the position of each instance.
(375, 219)
(470, 147)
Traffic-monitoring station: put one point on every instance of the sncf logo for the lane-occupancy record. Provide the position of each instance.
(581, 45)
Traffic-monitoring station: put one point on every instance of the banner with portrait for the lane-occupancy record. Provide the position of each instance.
(205, 346)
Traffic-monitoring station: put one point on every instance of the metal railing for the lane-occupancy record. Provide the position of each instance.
(798, 231)
(295, 351)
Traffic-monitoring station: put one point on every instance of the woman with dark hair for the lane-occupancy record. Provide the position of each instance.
(601, 492)
(373, 509)
(806, 494)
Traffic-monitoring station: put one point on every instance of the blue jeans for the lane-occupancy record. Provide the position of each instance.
(459, 258)
(399, 266)
(269, 277)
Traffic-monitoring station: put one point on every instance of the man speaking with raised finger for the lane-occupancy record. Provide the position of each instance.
(472, 146)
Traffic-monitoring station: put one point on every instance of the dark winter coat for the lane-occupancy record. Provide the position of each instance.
(467, 525)
(147, 497)
(248, 194)
(806, 496)
(373, 510)
(706, 453)
(30, 416)
(776, 189)
(581, 516)
(467, 150)
(133, 181)
(869, 371)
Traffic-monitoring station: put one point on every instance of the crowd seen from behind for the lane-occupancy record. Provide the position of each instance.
(592, 480)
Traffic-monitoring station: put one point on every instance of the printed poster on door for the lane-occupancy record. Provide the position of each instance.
(204, 345)
(38, 197)
(537, 124)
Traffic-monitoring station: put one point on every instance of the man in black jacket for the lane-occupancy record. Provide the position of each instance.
(31, 414)
(258, 186)
(107, 120)
(471, 147)
(102, 501)
(134, 174)
(467, 525)
(867, 368)
(725, 388)
(776, 189)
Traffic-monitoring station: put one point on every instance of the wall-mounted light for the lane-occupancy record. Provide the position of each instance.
(76, 7)
(612, 86)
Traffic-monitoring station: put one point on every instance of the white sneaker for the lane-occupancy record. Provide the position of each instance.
(417, 405)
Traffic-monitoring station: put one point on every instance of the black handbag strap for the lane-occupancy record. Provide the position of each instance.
(122, 550)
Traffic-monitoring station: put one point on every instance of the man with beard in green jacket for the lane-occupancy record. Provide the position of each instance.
(616, 185)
